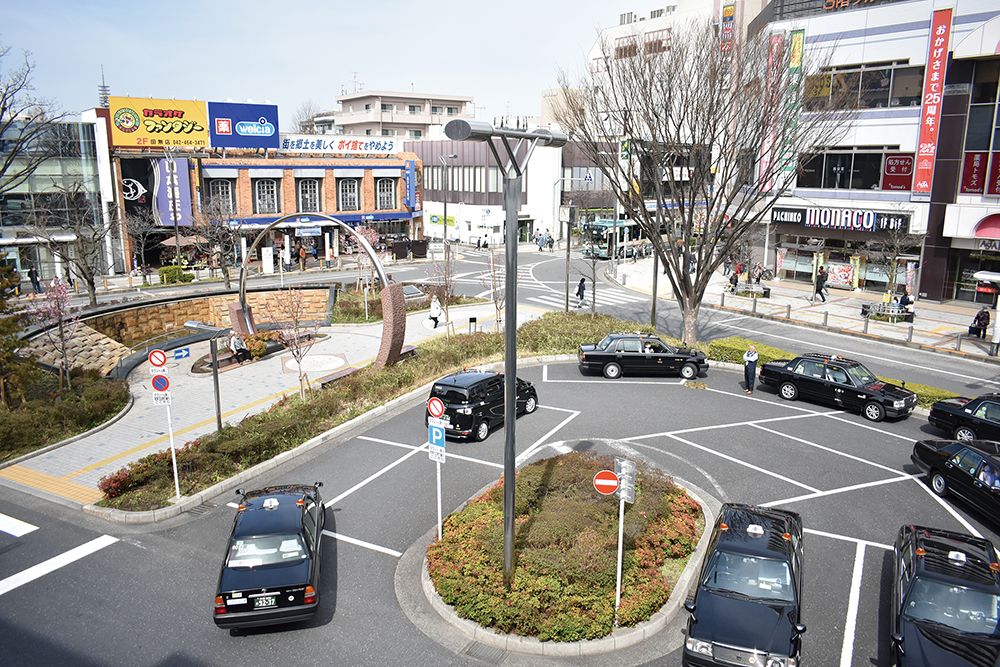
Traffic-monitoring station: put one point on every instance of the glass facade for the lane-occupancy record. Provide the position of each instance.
(844, 262)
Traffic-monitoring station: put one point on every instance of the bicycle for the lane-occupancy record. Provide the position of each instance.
(767, 275)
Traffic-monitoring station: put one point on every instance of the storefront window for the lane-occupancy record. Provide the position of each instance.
(968, 288)
(867, 171)
(984, 84)
(875, 88)
(845, 89)
(980, 127)
(837, 171)
(907, 83)
(811, 173)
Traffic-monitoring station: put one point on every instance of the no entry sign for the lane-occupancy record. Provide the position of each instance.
(435, 407)
(157, 357)
(161, 383)
(606, 482)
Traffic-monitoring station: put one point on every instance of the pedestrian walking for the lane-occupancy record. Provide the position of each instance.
(727, 266)
(758, 271)
(238, 347)
(739, 269)
(551, 243)
(302, 257)
(820, 284)
(36, 284)
(734, 280)
(750, 368)
(581, 291)
(435, 310)
(980, 323)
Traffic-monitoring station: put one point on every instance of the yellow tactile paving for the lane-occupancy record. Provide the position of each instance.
(54, 485)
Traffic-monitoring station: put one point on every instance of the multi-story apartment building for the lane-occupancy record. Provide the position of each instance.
(388, 114)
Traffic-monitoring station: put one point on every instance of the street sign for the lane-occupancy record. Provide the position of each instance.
(606, 482)
(161, 399)
(156, 370)
(182, 353)
(161, 383)
(625, 469)
(435, 438)
(435, 407)
(157, 357)
(589, 178)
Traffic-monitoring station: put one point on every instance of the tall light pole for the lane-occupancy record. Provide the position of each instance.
(447, 248)
(513, 171)
(445, 173)
(556, 201)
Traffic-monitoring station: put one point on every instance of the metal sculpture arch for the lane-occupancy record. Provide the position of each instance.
(393, 301)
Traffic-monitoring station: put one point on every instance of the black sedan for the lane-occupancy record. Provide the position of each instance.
(639, 353)
(968, 418)
(969, 469)
(945, 600)
(842, 382)
(272, 567)
(747, 607)
(474, 402)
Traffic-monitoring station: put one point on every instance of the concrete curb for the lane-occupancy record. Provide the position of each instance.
(618, 639)
(68, 441)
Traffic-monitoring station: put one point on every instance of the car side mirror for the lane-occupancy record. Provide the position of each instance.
(897, 640)
(318, 485)
(689, 607)
(799, 628)
(240, 492)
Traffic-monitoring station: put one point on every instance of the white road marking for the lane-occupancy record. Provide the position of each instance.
(375, 476)
(15, 527)
(846, 538)
(53, 564)
(833, 415)
(538, 444)
(362, 543)
(704, 473)
(745, 464)
(233, 505)
(949, 508)
(832, 492)
(827, 449)
(847, 652)
(695, 429)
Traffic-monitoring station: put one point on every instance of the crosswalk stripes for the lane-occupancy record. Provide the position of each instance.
(15, 527)
(603, 298)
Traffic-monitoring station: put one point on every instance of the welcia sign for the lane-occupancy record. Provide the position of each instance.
(243, 125)
(851, 219)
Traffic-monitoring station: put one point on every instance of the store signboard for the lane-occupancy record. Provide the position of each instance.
(930, 112)
(993, 182)
(148, 122)
(898, 171)
(974, 173)
(318, 143)
(243, 125)
(859, 220)
(173, 192)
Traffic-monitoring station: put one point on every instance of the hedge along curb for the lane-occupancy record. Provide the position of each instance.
(191, 502)
(71, 440)
(618, 639)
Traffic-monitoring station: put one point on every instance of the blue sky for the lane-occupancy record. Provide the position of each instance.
(502, 54)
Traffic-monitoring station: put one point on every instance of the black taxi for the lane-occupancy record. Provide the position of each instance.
(843, 382)
(474, 402)
(272, 567)
(640, 353)
(747, 607)
(945, 601)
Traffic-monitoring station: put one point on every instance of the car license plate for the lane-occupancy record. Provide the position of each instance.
(263, 601)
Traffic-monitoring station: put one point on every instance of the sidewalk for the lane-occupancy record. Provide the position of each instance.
(71, 471)
(935, 326)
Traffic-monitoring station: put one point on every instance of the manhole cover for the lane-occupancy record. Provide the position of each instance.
(318, 362)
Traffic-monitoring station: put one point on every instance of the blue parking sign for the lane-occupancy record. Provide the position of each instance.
(435, 436)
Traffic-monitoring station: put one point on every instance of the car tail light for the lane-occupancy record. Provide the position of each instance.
(220, 605)
(310, 596)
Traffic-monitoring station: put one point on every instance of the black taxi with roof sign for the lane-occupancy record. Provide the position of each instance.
(843, 382)
(474, 402)
(639, 353)
(945, 599)
(272, 568)
(747, 607)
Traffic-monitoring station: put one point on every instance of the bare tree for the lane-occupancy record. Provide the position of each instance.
(139, 226)
(11, 365)
(53, 314)
(887, 250)
(303, 118)
(26, 123)
(707, 136)
(217, 231)
(286, 311)
(71, 223)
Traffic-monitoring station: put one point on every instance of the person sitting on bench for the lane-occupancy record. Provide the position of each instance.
(239, 348)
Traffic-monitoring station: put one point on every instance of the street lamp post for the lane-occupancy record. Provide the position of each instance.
(444, 235)
(513, 171)
(556, 201)
(193, 325)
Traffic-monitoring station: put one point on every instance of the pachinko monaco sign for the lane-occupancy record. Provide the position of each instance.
(149, 122)
(930, 112)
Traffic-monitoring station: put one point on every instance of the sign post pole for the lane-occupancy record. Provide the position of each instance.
(436, 446)
(625, 470)
(173, 455)
(438, 465)
(618, 582)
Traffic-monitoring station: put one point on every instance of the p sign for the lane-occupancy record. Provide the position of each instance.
(435, 436)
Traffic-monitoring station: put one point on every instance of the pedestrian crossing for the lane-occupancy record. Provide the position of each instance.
(15, 527)
(605, 296)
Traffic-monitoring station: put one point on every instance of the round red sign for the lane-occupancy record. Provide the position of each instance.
(161, 383)
(606, 482)
(157, 357)
(435, 407)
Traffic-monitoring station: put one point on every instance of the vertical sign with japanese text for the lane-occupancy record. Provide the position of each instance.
(768, 157)
(974, 173)
(993, 184)
(930, 112)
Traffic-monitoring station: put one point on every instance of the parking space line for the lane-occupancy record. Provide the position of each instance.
(362, 543)
(53, 564)
(375, 476)
(450, 456)
(15, 527)
(845, 538)
(951, 510)
(743, 463)
(538, 444)
(831, 492)
(832, 415)
(850, 625)
(711, 427)
(704, 473)
(826, 449)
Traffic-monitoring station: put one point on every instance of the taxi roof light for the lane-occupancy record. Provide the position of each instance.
(957, 557)
(921, 551)
(754, 529)
(270, 503)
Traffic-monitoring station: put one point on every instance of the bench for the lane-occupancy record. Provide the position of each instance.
(752, 290)
(327, 380)
(887, 310)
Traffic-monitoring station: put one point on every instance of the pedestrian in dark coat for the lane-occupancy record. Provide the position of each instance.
(820, 284)
(36, 284)
(980, 323)
(750, 368)
(581, 291)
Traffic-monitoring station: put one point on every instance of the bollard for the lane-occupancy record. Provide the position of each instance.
(909, 335)
(472, 324)
(958, 344)
(722, 304)
(826, 317)
(130, 281)
(753, 309)
(105, 284)
(865, 330)
(788, 311)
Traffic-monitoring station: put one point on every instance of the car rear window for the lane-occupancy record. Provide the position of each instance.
(450, 394)
(603, 345)
(266, 550)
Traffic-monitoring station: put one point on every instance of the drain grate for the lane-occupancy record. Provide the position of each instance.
(490, 654)
(201, 509)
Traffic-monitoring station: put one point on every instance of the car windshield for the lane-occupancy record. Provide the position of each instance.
(267, 550)
(862, 376)
(750, 576)
(963, 609)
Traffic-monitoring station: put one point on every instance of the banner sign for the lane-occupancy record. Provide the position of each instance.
(898, 172)
(140, 121)
(318, 143)
(858, 220)
(173, 192)
(796, 46)
(993, 184)
(137, 184)
(780, 259)
(243, 125)
(930, 113)
(769, 149)
(410, 197)
(728, 21)
(974, 173)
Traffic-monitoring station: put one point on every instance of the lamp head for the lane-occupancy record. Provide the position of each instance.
(468, 130)
(552, 139)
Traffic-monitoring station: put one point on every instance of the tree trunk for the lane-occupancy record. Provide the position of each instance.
(689, 318)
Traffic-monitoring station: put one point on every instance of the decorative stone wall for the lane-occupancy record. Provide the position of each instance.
(87, 348)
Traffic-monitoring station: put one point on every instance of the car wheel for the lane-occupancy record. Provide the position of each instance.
(482, 430)
(964, 433)
(612, 371)
(530, 405)
(689, 371)
(938, 484)
(874, 411)
(788, 391)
